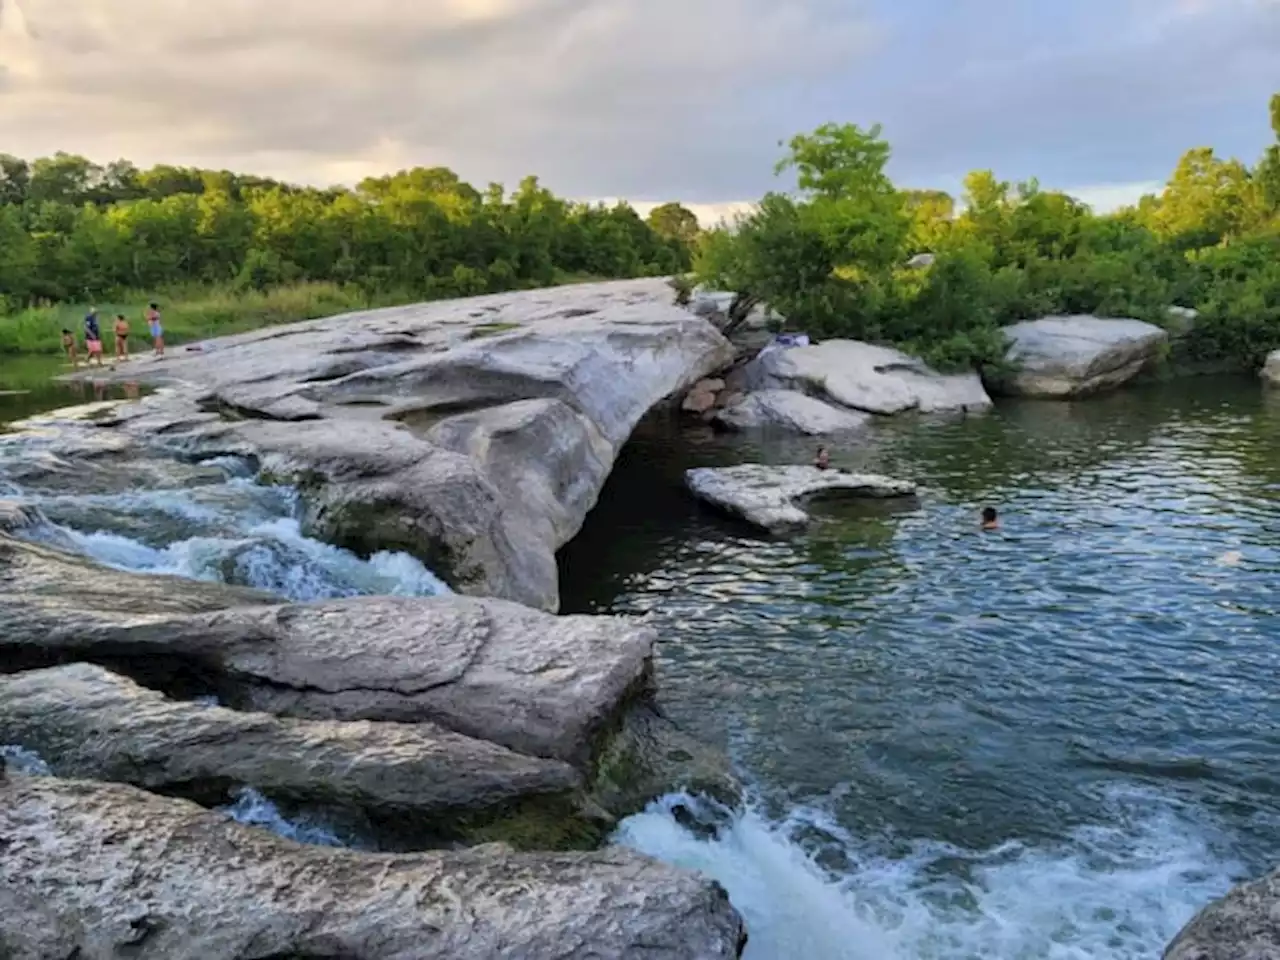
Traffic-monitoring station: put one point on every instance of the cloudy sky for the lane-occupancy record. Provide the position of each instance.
(643, 99)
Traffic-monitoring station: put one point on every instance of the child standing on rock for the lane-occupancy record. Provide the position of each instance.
(69, 345)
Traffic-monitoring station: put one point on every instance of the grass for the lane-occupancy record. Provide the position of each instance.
(190, 314)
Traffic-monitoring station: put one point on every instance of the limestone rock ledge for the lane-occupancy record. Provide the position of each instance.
(100, 871)
(475, 434)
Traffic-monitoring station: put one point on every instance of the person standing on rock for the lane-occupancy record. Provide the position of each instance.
(69, 345)
(122, 337)
(156, 330)
(93, 336)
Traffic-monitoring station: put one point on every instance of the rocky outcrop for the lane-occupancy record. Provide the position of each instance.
(1062, 358)
(1271, 369)
(15, 517)
(790, 411)
(415, 781)
(489, 669)
(867, 378)
(770, 497)
(98, 871)
(1243, 925)
(703, 396)
(425, 428)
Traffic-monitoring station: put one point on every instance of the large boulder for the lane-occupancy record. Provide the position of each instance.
(1062, 358)
(424, 428)
(1271, 369)
(1243, 925)
(489, 669)
(417, 782)
(771, 497)
(100, 871)
(791, 411)
(863, 376)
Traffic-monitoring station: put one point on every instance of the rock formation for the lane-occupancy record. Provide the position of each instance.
(863, 377)
(99, 871)
(769, 497)
(1066, 357)
(415, 781)
(790, 411)
(474, 434)
(1271, 369)
(1243, 925)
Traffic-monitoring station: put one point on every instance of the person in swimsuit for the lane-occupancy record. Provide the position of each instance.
(93, 336)
(69, 345)
(156, 330)
(122, 337)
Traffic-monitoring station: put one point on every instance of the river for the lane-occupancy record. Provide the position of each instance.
(1052, 741)
(1057, 740)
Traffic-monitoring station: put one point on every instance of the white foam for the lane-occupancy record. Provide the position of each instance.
(253, 809)
(1111, 892)
(24, 761)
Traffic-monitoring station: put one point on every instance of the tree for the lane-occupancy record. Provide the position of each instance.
(673, 221)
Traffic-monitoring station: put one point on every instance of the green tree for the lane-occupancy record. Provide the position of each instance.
(674, 221)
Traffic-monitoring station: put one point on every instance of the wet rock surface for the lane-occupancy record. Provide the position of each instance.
(99, 871)
(1243, 925)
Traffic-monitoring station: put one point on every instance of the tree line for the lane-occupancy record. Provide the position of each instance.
(832, 256)
(73, 230)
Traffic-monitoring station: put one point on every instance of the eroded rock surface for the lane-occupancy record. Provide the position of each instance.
(101, 871)
(771, 497)
(1065, 357)
(425, 428)
(790, 411)
(489, 669)
(1243, 925)
(416, 780)
(865, 377)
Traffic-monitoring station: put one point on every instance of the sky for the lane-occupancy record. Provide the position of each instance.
(647, 100)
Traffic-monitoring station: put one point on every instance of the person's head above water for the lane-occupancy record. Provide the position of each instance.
(822, 458)
(990, 519)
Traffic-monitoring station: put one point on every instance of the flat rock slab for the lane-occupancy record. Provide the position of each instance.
(790, 411)
(87, 722)
(866, 377)
(489, 669)
(1061, 358)
(770, 497)
(1243, 925)
(101, 871)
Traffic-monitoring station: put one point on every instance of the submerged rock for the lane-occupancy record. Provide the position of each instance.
(98, 871)
(416, 782)
(866, 377)
(490, 669)
(1066, 357)
(409, 428)
(791, 411)
(1271, 369)
(769, 497)
(15, 517)
(1243, 925)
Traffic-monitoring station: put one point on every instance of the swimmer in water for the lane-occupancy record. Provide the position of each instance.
(990, 519)
(823, 459)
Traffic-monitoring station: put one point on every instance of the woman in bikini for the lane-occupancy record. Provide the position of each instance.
(122, 337)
